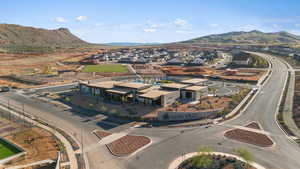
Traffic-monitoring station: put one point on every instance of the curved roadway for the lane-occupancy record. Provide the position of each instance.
(168, 144)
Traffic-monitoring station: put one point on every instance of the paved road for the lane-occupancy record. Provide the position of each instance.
(171, 143)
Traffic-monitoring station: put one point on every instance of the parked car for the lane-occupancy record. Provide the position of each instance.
(4, 89)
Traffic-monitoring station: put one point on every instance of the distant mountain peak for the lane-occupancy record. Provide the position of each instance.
(250, 37)
(255, 31)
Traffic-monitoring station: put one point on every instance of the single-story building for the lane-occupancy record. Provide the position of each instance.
(193, 92)
(159, 97)
(96, 89)
(126, 91)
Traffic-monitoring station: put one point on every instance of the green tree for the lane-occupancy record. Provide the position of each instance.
(103, 109)
(204, 158)
(212, 90)
(113, 112)
(201, 95)
(246, 155)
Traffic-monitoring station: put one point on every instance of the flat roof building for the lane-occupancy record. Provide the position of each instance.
(193, 92)
(104, 85)
(173, 86)
(132, 85)
(195, 81)
(159, 97)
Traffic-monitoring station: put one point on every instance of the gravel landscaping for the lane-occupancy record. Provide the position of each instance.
(101, 134)
(127, 145)
(254, 125)
(249, 137)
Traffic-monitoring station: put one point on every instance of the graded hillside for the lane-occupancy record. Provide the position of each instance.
(16, 38)
(252, 37)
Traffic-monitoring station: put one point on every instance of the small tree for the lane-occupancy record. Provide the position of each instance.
(113, 111)
(204, 158)
(223, 113)
(212, 90)
(246, 155)
(177, 103)
(201, 95)
(103, 109)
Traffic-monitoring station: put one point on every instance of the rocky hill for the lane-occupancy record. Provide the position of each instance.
(252, 37)
(16, 37)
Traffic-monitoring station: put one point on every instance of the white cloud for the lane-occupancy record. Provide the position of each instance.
(61, 20)
(81, 18)
(149, 30)
(180, 22)
(214, 25)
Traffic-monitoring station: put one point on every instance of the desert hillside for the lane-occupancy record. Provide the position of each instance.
(16, 38)
(252, 37)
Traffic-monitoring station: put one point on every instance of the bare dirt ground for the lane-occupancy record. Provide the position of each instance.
(243, 74)
(39, 145)
(21, 64)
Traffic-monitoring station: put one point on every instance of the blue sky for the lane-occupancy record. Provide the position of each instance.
(102, 21)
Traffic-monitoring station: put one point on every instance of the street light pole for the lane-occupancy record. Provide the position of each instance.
(82, 141)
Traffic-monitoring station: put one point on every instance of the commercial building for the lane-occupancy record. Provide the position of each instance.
(193, 92)
(140, 93)
(159, 97)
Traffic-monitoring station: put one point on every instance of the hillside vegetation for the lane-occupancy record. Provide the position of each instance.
(21, 39)
(252, 37)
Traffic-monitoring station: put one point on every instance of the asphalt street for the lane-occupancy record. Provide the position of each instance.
(171, 143)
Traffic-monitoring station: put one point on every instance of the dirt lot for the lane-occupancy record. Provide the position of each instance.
(249, 137)
(39, 145)
(20, 64)
(127, 145)
(243, 74)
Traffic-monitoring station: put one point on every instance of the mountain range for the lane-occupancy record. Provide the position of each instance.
(130, 44)
(17, 38)
(251, 37)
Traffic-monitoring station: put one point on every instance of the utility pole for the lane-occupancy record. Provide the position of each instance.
(82, 142)
(8, 107)
(23, 110)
